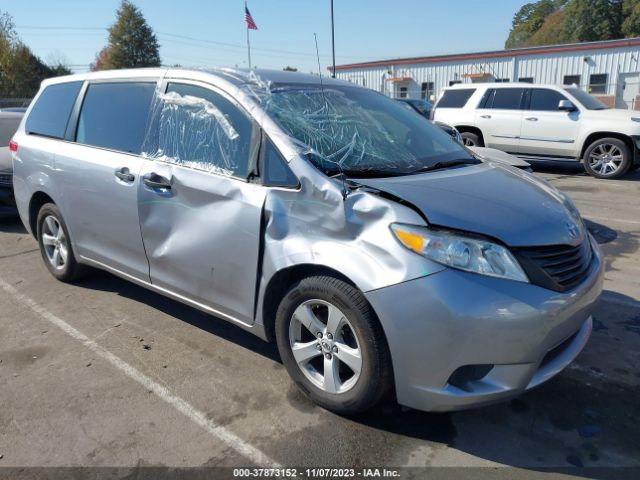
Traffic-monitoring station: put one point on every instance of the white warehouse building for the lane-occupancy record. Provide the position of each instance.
(609, 70)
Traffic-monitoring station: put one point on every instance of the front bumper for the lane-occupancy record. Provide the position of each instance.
(453, 321)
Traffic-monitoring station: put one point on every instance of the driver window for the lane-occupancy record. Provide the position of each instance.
(545, 100)
(201, 129)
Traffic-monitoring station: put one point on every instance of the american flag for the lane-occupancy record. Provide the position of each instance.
(251, 25)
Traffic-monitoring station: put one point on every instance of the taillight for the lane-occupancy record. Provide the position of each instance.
(13, 146)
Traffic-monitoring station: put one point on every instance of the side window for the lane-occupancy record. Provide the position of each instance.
(455, 98)
(545, 100)
(505, 99)
(201, 129)
(114, 115)
(50, 114)
(275, 171)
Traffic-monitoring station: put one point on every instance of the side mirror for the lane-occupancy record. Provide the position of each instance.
(566, 106)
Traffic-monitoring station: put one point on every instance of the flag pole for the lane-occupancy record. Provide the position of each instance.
(248, 43)
(333, 44)
(248, 48)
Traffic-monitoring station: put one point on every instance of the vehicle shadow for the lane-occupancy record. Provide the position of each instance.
(12, 225)
(573, 169)
(100, 280)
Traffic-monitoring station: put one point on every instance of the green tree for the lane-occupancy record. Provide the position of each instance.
(132, 43)
(552, 30)
(591, 20)
(631, 18)
(20, 70)
(529, 19)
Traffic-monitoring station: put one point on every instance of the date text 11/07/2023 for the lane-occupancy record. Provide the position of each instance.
(315, 473)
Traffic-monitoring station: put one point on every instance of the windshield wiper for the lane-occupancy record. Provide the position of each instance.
(371, 173)
(447, 164)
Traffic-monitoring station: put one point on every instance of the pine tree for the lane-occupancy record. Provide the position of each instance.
(132, 43)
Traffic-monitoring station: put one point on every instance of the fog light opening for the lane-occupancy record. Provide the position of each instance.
(464, 377)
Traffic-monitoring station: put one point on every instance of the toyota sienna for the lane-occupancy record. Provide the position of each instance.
(384, 259)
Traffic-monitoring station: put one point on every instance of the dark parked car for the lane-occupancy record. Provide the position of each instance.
(421, 106)
(9, 122)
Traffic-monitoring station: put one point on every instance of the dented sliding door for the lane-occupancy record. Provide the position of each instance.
(199, 216)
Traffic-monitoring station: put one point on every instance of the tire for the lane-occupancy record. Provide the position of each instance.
(53, 239)
(607, 158)
(471, 139)
(351, 392)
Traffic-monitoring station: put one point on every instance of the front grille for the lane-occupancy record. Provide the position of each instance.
(6, 179)
(557, 267)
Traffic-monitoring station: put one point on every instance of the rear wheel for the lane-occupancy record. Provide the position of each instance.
(333, 346)
(607, 158)
(471, 139)
(55, 247)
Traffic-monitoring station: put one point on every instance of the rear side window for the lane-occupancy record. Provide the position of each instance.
(114, 115)
(50, 114)
(505, 99)
(545, 100)
(456, 98)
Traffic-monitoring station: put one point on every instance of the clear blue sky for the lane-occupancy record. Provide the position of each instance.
(365, 29)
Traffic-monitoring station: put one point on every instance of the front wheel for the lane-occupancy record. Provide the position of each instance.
(332, 345)
(471, 140)
(607, 158)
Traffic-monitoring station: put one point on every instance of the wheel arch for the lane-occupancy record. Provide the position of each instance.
(471, 129)
(38, 199)
(280, 283)
(592, 137)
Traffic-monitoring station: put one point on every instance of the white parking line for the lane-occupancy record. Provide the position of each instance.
(243, 448)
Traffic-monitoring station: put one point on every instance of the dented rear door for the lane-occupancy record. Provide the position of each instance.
(200, 218)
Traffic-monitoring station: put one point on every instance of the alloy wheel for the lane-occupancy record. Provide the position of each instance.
(325, 346)
(606, 159)
(55, 243)
(468, 142)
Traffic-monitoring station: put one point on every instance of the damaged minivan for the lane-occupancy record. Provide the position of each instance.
(387, 261)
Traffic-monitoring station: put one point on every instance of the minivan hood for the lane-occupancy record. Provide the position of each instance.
(509, 205)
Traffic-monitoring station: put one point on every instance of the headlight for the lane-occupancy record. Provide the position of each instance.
(460, 251)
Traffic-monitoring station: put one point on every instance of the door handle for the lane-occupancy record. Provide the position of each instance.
(125, 175)
(532, 119)
(485, 116)
(155, 181)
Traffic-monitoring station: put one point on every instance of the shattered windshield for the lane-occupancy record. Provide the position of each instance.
(357, 131)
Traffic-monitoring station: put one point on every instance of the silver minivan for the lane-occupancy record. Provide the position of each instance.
(384, 259)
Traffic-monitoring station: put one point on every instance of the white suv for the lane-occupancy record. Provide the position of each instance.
(544, 122)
